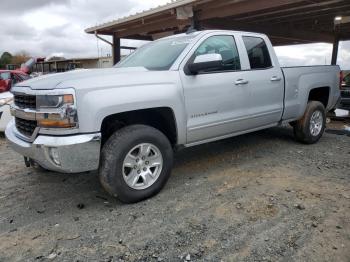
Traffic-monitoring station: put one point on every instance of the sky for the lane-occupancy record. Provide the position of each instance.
(56, 28)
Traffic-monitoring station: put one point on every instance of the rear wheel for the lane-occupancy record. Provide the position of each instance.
(136, 163)
(311, 127)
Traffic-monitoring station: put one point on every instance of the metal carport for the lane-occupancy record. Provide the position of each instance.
(286, 22)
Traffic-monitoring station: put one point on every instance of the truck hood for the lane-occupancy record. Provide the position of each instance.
(75, 79)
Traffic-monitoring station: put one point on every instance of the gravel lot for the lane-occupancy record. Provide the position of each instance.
(258, 197)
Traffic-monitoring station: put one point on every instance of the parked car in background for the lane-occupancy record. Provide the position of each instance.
(6, 98)
(11, 76)
(345, 91)
(8, 78)
(172, 93)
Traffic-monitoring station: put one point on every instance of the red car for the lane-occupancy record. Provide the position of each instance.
(11, 77)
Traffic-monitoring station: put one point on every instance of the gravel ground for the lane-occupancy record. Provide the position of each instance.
(258, 197)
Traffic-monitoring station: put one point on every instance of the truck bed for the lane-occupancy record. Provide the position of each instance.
(300, 80)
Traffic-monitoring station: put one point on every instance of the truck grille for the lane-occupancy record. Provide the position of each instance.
(26, 127)
(25, 101)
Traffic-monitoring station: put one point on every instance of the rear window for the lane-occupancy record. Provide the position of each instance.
(5, 76)
(258, 53)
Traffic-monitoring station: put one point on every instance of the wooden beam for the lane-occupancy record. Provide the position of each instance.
(335, 50)
(140, 37)
(277, 41)
(244, 7)
(195, 23)
(299, 9)
(141, 21)
(210, 4)
(116, 51)
(307, 14)
(156, 26)
(281, 31)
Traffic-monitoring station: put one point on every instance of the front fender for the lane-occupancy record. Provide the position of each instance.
(97, 104)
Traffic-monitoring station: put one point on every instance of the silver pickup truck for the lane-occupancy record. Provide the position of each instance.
(172, 93)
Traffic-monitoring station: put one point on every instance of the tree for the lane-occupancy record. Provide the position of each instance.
(20, 58)
(6, 58)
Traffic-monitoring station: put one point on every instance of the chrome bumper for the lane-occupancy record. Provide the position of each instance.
(66, 154)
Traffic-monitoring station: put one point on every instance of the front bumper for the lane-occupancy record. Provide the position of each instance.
(65, 154)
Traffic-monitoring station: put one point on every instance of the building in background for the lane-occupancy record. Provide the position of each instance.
(63, 65)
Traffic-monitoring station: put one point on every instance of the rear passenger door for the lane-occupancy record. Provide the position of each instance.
(265, 82)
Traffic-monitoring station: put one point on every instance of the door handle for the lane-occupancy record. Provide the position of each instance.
(241, 82)
(276, 79)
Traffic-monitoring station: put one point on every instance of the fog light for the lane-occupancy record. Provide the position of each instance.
(54, 155)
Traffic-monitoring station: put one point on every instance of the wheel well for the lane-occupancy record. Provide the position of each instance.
(161, 118)
(320, 94)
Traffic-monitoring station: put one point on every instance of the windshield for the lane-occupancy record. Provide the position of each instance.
(5, 76)
(158, 55)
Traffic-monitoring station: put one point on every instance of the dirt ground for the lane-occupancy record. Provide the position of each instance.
(257, 197)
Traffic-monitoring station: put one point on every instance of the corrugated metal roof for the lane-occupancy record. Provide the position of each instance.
(285, 21)
(171, 5)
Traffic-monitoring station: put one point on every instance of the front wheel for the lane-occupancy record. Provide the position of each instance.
(136, 163)
(311, 127)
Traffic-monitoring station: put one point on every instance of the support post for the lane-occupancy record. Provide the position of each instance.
(195, 24)
(335, 50)
(116, 52)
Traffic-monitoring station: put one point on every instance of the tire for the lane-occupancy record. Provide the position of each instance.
(310, 128)
(121, 159)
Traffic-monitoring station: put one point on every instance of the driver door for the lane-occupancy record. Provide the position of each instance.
(217, 101)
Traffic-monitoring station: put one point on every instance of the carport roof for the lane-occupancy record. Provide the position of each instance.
(285, 21)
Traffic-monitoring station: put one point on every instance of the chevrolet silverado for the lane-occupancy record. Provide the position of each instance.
(176, 92)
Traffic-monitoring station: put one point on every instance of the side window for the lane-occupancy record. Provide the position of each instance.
(223, 45)
(24, 77)
(5, 76)
(14, 79)
(258, 52)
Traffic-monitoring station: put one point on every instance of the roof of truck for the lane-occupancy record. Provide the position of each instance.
(202, 32)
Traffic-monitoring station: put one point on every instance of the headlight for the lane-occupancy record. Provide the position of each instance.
(56, 111)
(53, 101)
(6, 101)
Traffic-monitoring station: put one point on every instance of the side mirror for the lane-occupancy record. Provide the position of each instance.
(205, 62)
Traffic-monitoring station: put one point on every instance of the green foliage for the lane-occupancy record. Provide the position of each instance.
(5, 59)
